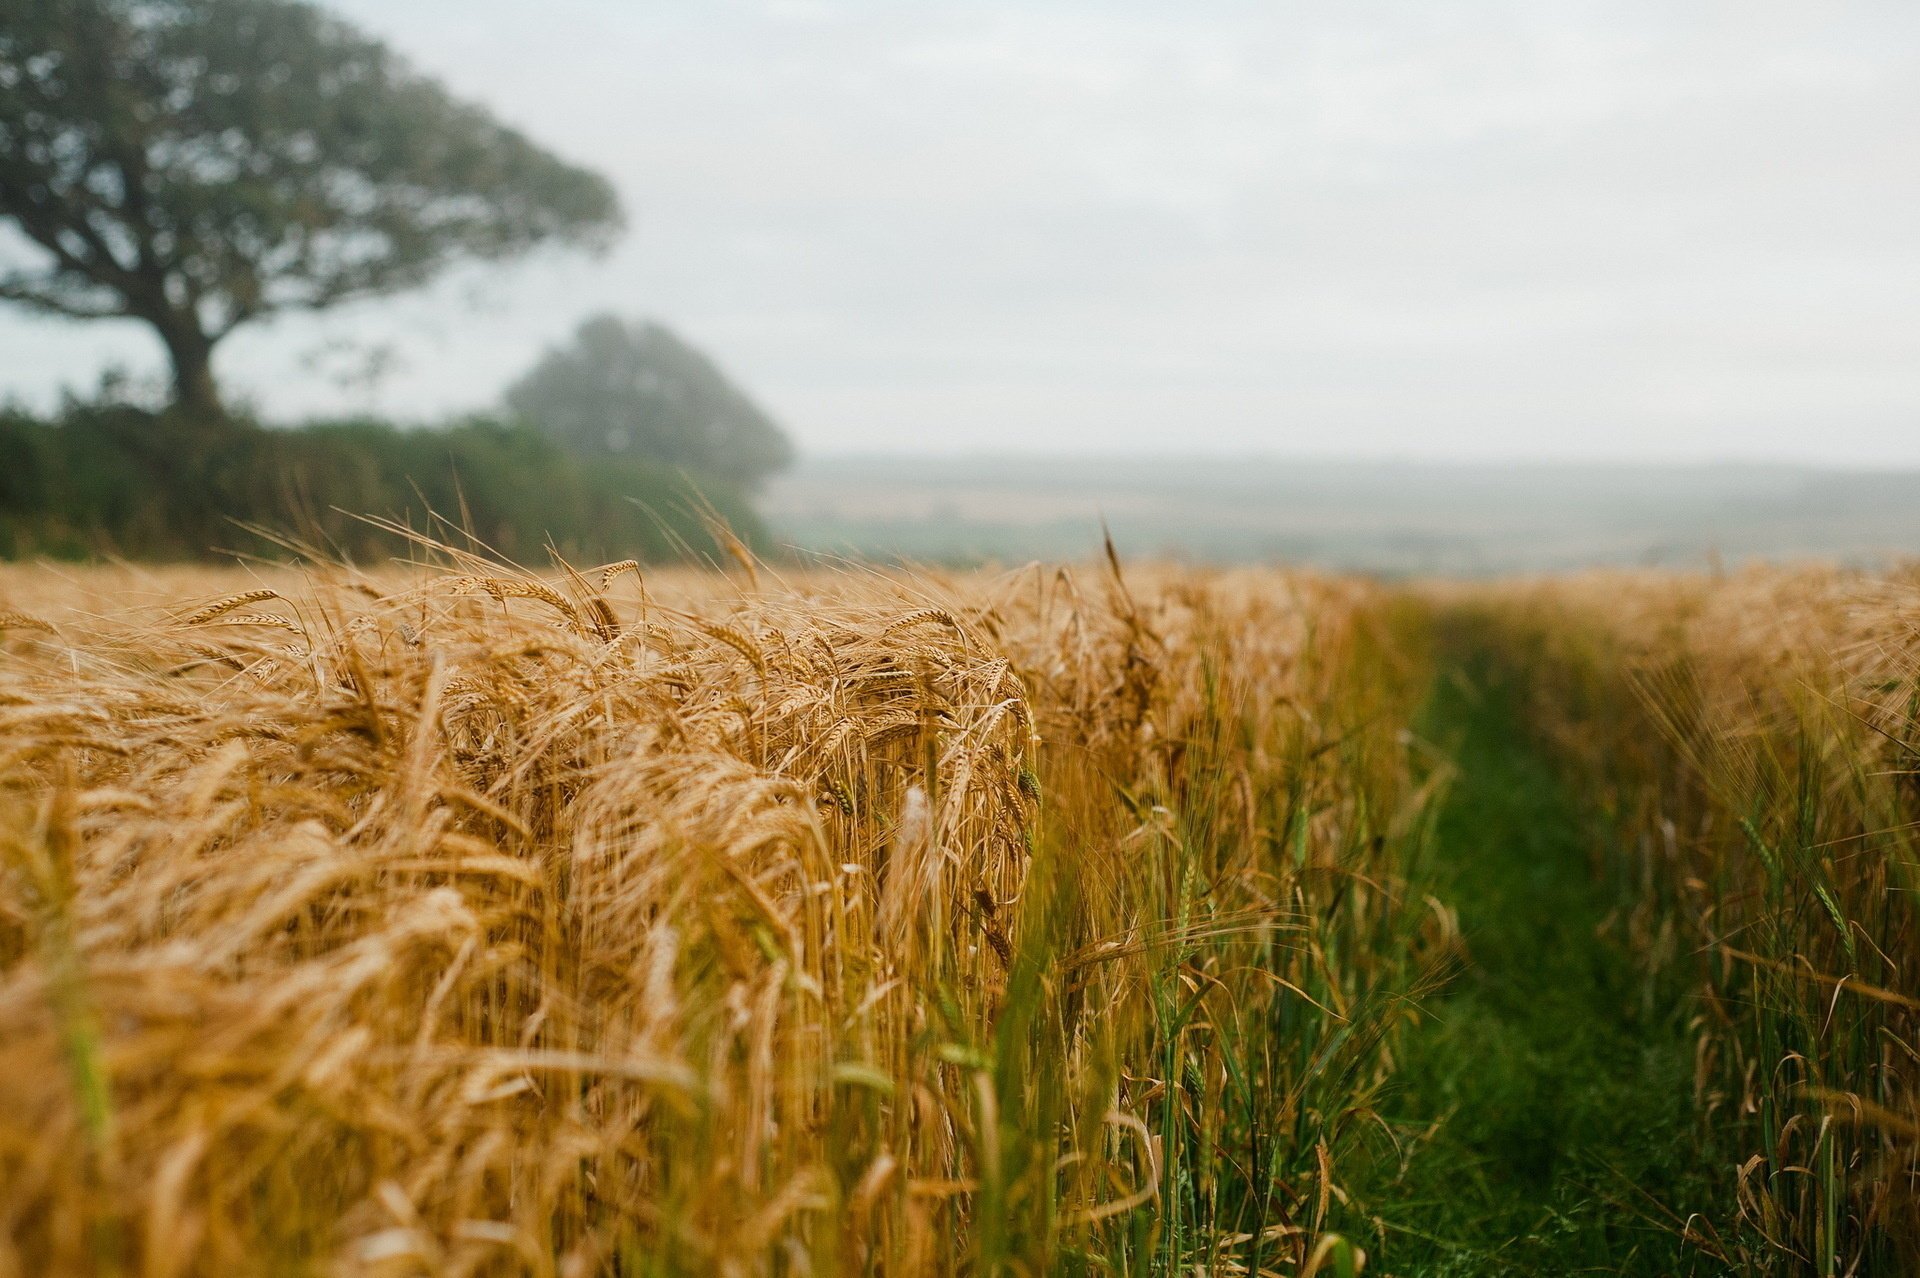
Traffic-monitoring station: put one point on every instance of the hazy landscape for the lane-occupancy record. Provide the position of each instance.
(1389, 518)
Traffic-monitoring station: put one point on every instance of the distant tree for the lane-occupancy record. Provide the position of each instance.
(638, 390)
(198, 164)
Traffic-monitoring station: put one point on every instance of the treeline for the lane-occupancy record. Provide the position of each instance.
(116, 479)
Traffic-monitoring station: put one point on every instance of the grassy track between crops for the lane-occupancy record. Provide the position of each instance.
(1547, 1101)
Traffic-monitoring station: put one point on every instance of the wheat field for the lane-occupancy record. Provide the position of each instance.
(1755, 739)
(459, 919)
(466, 920)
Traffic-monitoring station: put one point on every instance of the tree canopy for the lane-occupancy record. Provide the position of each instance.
(199, 164)
(638, 390)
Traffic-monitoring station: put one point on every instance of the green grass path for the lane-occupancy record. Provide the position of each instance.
(1560, 1080)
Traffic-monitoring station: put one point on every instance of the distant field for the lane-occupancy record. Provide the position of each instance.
(1090, 920)
(1392, 518)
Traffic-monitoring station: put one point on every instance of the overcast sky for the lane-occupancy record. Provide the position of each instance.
(1466, 229)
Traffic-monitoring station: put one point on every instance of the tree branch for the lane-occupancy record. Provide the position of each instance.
(45, 212)
(14, 290)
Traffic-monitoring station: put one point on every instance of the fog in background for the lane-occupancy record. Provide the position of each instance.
(1463, 231)
(1396, 518)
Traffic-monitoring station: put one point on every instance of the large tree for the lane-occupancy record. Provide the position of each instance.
(638, 390)
(199, 164)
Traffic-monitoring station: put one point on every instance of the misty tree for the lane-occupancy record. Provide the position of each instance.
(200, 164)
(639, 390)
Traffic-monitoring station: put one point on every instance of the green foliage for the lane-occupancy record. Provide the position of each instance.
(120, 480)
(197, 164)
(1544, 1117)
(638, 390)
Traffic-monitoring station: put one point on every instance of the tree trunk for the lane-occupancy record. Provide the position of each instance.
(195, 395)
